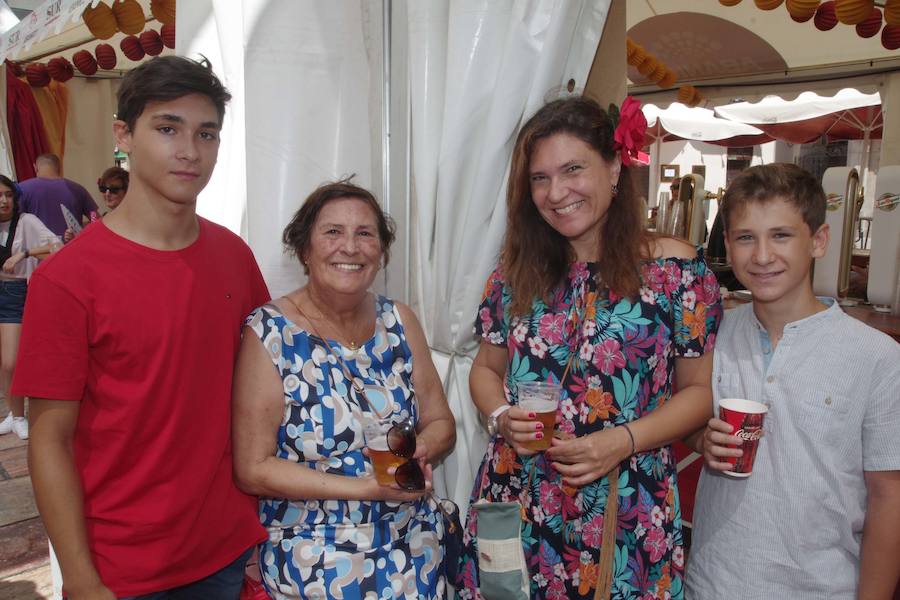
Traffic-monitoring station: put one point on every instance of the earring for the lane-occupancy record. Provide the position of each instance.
(615, 189)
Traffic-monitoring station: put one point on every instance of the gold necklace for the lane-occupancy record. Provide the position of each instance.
(352, 343)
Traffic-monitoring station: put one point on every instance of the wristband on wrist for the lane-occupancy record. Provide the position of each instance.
(630, 435)
(494, 417)
(25, 252)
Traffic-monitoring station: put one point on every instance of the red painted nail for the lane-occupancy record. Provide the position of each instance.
(531, 415)
(539, 436)
(539, 426)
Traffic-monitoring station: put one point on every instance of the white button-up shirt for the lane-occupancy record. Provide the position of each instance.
(793, 528)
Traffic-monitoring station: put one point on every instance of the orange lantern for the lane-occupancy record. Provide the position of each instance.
(638, 56)
(129, 16)
(768, 4)
(60, 69)
(151, 42)
(37, 75)
(163, 11)
(802, 10)
(658, 73)
(892, 12)
(100, 21)
(890, 37)
(85, 62)
(629, 46)
(131, 47)
(167, 33)
(106, 56)
(853, 12)
(668, 79)
(871, 26)
(729, 2)
(648, 66)
(686, 93)
(825, 18)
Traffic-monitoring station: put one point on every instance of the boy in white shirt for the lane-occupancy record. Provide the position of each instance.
(819, 517)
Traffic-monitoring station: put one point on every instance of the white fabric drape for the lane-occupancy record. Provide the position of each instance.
(478, 69)
(307, 107)
(301, 113)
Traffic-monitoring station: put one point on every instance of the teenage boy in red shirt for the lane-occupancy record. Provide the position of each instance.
(127, 350)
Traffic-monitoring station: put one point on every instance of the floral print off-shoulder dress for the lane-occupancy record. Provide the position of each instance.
(622, 369)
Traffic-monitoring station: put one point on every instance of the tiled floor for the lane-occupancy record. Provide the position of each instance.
(24, 558)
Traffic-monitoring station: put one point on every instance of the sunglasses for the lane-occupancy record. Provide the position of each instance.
(112, 189)
(401, 441)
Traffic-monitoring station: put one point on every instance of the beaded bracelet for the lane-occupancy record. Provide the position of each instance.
(630, 435)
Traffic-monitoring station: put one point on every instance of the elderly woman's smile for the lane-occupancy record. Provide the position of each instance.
(344, 242)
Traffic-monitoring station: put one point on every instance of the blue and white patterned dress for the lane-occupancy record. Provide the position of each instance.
(321, 549)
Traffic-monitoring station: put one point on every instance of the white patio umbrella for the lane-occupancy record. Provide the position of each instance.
(680, 122)
(848, 115)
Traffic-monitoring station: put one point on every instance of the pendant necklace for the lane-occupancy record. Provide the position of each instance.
(351, 343)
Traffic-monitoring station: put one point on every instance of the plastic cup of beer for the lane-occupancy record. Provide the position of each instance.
(376, 432)
(746, 416)
(541, 398)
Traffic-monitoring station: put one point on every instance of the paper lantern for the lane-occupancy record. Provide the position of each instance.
(163, 11)
(689, 95)
(658, 73)
(890, 37)
(129, 16)
(768, 4)
(825, 18)
(648, 66)
(729, 2)
(85, 62)
(637, 57)
(853, 12)
(802, 10)
(871, 26)
(60, 69)
(151, 42)
(100, 21)
(167, 33)
(37, 75)
(892, 12)
(131, 47)
(106, 56)
(668, 79)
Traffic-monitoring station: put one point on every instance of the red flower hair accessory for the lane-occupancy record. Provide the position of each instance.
(630, 130)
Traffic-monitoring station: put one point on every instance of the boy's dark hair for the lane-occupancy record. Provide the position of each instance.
(298, 232)
(167, 78)
(764, 183)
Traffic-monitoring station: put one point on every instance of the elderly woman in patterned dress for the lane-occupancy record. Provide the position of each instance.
(585, 297)
(314, 366)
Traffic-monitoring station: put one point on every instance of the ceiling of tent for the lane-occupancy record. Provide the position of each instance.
(75, 36)
(709, 45)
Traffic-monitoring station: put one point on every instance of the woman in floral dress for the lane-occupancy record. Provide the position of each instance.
(585, 296)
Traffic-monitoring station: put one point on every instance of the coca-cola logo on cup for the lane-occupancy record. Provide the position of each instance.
(751, 435)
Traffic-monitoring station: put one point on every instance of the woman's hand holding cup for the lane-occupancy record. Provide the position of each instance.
(519, 426)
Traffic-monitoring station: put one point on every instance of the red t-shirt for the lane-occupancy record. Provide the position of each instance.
(146, 340)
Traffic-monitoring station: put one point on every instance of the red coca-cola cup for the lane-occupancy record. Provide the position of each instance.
(746, 416)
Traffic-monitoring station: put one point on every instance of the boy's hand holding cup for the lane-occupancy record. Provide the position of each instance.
(730, 441)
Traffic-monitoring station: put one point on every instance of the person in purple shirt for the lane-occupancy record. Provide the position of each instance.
(43, 195)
